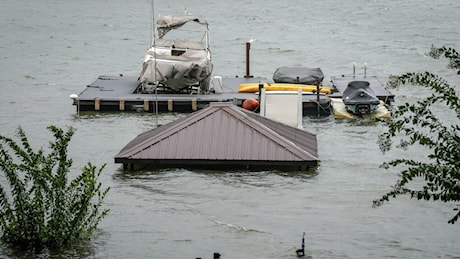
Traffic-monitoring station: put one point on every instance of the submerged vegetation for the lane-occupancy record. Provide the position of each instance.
(417, 124)
(39, 206)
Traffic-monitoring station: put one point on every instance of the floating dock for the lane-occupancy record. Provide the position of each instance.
(120, 93)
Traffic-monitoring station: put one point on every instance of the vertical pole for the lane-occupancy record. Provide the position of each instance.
(317, 94)
(354, 69)
(78, 107)
(299, 108)
(317, 90)
(365, 69)
(262, 101)
(261, 86)
(156, 105)
(248, 47)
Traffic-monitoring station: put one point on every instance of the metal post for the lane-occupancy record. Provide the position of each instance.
(317, 94)
(354, 69)
(78, 108)
(248, 47)
(156, 105)
(365, 69)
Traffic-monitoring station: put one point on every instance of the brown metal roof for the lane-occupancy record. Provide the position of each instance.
(222, 135)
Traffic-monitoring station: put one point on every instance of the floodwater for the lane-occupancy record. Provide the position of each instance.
(50, 49)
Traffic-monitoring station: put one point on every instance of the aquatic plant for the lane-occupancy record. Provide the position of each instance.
(417, 124)
(39, 206)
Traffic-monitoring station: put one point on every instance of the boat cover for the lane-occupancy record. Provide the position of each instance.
(178, 63)
(299, 75)
(359, 92)
(169, 22)
(177, 72)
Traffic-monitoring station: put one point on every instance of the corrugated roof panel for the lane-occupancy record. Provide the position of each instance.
(301, 138)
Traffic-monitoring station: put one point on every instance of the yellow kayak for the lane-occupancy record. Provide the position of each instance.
(254, 87)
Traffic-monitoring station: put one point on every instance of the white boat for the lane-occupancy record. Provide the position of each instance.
(180, 64)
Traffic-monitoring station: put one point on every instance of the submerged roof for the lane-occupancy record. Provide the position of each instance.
(222, 135)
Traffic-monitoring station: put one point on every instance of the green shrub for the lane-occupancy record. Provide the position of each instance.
(39, 206)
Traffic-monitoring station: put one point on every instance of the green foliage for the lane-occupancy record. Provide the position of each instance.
(419, 125)
(41, 207)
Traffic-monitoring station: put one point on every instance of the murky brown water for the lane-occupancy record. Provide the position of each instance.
(51, 49)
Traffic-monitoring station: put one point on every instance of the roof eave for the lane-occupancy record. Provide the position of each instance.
(204, 162)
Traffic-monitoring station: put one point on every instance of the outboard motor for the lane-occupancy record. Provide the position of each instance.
(359, 98)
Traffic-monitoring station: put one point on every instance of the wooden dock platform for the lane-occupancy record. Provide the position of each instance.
(118, 93)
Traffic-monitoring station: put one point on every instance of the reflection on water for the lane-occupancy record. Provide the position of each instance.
(266, 179)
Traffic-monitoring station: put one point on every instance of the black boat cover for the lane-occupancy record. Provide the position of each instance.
(299, 75)
(359, 92)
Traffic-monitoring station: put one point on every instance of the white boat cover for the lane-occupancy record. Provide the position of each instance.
(169, 22)
(179, 63)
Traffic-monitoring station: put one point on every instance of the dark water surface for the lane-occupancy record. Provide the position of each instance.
(51, 49)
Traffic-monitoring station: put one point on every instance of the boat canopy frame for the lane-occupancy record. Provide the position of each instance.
(170, 22)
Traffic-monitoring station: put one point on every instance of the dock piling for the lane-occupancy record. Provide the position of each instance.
(122, 105)
(194, 105)
(97, 104)
(146, 105)
(170, 105)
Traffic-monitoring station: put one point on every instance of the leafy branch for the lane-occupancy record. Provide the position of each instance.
(419, 125)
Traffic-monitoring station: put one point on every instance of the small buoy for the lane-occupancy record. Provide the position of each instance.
(251, 104)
